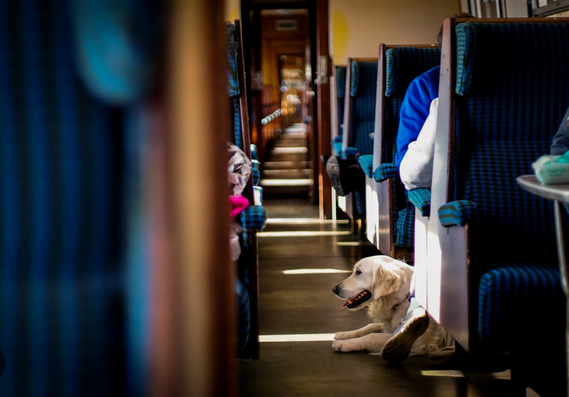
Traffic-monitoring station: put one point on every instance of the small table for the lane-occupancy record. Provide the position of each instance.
(559, 194)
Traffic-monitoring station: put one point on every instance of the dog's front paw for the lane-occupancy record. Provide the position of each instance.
(345, 346)
(343, 335)
(339, 346)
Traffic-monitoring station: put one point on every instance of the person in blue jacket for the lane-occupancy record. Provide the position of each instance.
(415, 109)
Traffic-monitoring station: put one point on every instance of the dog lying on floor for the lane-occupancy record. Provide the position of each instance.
(382, 284)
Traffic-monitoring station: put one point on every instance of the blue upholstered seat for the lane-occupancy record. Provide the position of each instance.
(403, 64)
(340, 95)
(513, 89)
(363, 86)
(62, 205)
(366, 162)
(362, 92)
(252, 218)
(243, 280)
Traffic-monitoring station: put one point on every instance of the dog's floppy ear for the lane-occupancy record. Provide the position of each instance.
(385, 281)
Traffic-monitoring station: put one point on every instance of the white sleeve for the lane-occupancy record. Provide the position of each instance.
(416, 169)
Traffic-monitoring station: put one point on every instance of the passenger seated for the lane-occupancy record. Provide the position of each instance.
(415, 110)
(416, 168)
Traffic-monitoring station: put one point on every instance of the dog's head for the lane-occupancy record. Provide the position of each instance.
(372, 278)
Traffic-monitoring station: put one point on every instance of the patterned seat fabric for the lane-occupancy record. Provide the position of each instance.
(403, 65)
(362, 92)
(340, 95)
(508, 292)
(62, 250)
(242, 282)
(515, 90)
(366, 162)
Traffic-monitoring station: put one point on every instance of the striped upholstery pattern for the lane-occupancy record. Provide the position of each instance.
(504, 122)
(256, 172)
(340, 95)
(62, 328)
(385, 171)
(466, 41)
(392, 76)
(233, 81)
(458, 212)
(237, 123)
(254, 217)
(406, 63)
(366, 162)
(243, 313)
(405, 229)
(403, 64)
(242, 281)
(421, 198)
(232, 75)
(507, 293)
(349, 151)
(360, 199)
(363, 92)
(337, 145)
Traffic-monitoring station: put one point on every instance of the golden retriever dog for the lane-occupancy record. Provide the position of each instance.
(382, 284)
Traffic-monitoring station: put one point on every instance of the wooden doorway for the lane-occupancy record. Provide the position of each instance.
(284, 43)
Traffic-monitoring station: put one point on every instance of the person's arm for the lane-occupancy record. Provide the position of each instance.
(416, 169)
(561, 139)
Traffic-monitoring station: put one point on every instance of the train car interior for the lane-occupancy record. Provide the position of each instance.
(224, 198)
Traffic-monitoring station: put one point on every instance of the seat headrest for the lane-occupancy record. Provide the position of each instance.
(403, 64)
(392, 77)
(340, 81)
(465, 49)
(232, 75)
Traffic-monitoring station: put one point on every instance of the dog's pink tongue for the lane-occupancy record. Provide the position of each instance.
(346, 303)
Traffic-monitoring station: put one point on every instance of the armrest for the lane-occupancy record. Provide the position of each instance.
(349, 151)
(385, 171)
(421, 198)
(457, 213)
(366, 162)
(254, 217)
(256, 172)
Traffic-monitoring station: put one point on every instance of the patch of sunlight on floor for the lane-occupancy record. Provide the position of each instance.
(315, 271)
(303, 221)
(531, 393)
(302, 234)
(297, 338)
(444, 373)
(504, 375)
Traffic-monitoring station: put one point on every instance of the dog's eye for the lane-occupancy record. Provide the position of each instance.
(358, 272)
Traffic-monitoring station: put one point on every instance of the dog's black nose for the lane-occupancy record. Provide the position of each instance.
(335, 289)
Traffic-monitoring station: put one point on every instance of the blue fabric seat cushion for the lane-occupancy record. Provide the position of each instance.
(385, 171)
(337, 146)
(421, 198)
(512, 293)
(243, 313)
(366, 162)
(459, 212)
(405, 230)
(360, 199)
(363, 93)
(254, 217)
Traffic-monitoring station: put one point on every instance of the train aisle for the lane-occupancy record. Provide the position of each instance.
(297, 306)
